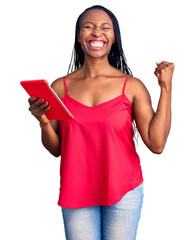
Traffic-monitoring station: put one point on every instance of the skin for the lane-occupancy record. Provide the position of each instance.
(97, 82)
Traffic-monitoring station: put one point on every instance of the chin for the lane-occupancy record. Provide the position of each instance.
(96, 55)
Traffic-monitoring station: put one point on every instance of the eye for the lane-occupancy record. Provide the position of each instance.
(88, 26)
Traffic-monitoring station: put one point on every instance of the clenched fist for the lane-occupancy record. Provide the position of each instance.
(164, 73)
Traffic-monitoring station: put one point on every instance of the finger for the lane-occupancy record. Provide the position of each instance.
(164, 63)
(41, 111)
(36, 103)
(158, 69)
(31, 99)
(161, 66)
(45, 109)
(40, 107)
(168, 64)
(157, 73)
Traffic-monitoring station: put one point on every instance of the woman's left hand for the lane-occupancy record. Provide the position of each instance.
(164, 73)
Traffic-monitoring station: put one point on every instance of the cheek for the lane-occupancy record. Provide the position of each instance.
(79, 37)
(80, 40)
(111, 37)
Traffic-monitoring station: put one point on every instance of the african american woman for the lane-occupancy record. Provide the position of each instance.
(101, 186)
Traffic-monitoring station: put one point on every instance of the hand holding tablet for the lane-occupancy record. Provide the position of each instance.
(45, 96)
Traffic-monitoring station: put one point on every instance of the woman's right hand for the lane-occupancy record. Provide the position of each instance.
(38, 108)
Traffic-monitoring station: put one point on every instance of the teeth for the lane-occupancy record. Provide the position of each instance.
(96, 43)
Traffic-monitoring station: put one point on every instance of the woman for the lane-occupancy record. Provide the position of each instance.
(101, 188)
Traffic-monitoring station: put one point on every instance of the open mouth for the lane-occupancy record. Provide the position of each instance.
(96, 44)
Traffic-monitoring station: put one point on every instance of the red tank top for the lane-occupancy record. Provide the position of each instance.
(99, 163)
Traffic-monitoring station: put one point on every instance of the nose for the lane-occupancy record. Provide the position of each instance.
(96, 32)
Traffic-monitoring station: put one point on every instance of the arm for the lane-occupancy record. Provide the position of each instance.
(154, 127)
(50, 135)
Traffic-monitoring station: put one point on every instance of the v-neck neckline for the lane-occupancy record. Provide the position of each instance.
(99, 105)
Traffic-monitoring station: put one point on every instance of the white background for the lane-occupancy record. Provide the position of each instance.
(37, 39)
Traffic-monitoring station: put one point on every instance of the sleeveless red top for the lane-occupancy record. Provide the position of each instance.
(99, 163)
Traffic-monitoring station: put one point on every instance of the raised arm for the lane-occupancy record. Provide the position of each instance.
(153, 126)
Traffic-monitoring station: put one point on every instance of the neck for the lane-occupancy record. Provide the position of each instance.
(94, 67)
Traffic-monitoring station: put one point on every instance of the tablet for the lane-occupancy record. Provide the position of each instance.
(41, 89)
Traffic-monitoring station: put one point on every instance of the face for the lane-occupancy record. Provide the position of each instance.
(96, 33)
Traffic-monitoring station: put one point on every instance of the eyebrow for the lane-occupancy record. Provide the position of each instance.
(93, 23)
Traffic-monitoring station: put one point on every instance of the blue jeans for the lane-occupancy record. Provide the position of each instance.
(115, 222)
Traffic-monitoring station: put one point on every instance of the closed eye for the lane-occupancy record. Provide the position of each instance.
(91, 27)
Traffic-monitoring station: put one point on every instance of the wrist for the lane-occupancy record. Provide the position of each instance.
(44, 125)
(167, 89)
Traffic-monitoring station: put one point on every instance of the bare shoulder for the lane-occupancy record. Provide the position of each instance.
(58, 86)
(136, 89)
(134, 82)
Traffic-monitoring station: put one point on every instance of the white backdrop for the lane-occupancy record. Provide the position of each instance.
(37, 39)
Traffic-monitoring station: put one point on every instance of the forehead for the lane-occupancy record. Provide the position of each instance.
(96, 16)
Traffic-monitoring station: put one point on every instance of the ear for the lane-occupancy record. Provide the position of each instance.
(114, 40)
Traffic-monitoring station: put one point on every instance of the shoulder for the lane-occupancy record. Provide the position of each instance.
(58, 86)
(57, 82)
(136, 88)
(134, 82)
